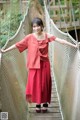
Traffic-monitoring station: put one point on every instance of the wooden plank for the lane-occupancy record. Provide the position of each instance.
(69, 25)
(58, 7)
(43, 115)
(50, 110)
(46, 118)
(49, 114)
(50, 105)
(53, 96)
(57, 17)
(51, 118)
(56, 105)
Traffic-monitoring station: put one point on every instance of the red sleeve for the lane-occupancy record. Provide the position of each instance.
(23, 44)
(52, 38)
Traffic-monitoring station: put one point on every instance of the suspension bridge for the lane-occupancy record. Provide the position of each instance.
(65, 72)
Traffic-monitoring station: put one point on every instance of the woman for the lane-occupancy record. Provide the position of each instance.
(38, 88)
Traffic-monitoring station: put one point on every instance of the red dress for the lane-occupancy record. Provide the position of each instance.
(38, 88)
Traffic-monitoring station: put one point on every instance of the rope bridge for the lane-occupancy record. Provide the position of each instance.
(65, 70)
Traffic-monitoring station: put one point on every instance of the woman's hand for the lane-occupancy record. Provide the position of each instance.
(76, 46)
(8, 49)
(2, 51)
(66, 42)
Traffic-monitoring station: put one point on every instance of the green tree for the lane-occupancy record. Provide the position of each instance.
(10, 22)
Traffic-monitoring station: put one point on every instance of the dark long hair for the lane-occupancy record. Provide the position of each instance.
(38, 21)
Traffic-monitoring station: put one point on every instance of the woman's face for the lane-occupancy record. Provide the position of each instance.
(36, 28)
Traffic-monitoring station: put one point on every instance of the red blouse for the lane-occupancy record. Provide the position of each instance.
(37, 49)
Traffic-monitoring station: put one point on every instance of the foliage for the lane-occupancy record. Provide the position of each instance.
(9, 22)
(9, 27)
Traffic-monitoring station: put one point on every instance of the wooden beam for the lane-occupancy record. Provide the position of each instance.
(58, 7)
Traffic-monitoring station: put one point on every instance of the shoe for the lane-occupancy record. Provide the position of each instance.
(44, 109)
(38, 108)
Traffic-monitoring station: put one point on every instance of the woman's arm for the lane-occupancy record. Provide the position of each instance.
(9, 49)
(65, 42)
(62, 41)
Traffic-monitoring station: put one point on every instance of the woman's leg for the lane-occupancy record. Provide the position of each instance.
(45, 107)
(38, 108)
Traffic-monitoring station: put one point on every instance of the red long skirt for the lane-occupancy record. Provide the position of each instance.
(38, 88)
